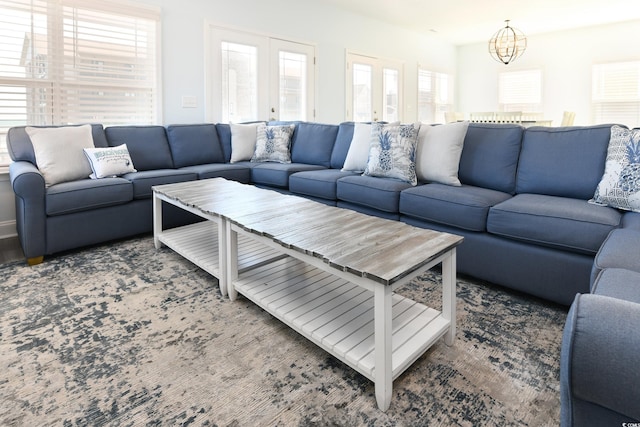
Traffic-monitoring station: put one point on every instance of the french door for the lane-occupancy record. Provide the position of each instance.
(253, 77)
(373, 89)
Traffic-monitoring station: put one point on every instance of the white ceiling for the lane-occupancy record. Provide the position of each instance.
(471, 21)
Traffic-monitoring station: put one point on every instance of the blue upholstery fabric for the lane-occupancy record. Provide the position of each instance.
(618, 283)
(465, 207)
(232, 171)
(378, 193)
(87, 194)
(143, 181)
(599, 373)
(341, 146)
(490, 156)
(619, 250)
(148, 145)
(631, 220)
(368, 211)
(277, 174)
(194, 145)
(563, 223)
(572, 159)
(312, 143)
(21, 149)
(224, 136)
(320, 184)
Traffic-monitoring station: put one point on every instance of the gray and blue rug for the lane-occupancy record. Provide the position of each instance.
(127, 335)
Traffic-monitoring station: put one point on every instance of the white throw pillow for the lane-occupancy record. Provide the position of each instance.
(243, 141)
(358, 153)
(110, 161)
(59, 152)
(439, 151)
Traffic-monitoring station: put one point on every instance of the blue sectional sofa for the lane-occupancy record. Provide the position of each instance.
(522, 207)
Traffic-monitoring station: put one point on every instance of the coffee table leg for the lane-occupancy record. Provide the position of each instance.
(449, 295)
(231, 260)
(383, 351)
(157, 221)
(222, 253)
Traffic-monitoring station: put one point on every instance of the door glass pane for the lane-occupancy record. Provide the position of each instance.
(293, 86)
(239, 82)
(390, 100)
(362, 85)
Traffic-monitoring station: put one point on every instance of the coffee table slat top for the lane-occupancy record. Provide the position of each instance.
(349, 240)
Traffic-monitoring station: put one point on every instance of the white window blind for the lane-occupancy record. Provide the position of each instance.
(72, 61)
(520, 91)
(435, 96)
(616, 93)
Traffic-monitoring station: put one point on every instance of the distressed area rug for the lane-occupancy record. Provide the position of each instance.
(127, 335)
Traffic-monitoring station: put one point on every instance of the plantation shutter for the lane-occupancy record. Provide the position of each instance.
(435, 95)
(72, 61)
(520, 91)
(616, 93)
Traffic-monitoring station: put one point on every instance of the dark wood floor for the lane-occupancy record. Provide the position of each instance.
(10, 250)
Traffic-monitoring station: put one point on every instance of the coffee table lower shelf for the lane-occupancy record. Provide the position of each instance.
(338, 315)
(199, 244)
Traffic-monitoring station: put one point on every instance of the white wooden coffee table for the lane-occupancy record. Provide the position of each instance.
(328, 273)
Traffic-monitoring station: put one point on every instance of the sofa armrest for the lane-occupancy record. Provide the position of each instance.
(600, 357)
(29, 187)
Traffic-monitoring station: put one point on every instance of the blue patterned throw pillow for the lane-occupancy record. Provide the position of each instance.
(620, 184)
(273, 144)
(392, 152)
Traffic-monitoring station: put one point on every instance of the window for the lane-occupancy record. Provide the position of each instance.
(435, 96)
(70, 62)
(616, 93)
(374, 89)
(520, 91)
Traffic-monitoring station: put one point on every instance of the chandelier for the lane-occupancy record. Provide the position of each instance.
(507, 44)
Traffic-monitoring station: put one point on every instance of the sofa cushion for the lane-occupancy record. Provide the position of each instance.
(87, 194)
(233, 171)
(619, 250)
(490, 156)
(438, 152)
(572, 159)
(620, 183)
(559, 222)
(392, 152)
(631, 220)
(378, 193)
(312, 143)
(20, 147)
(320, 183)
(195, 144)
(341, 146)
(143, 181)
(464, 207)
(148, 145)
(618, 283)
(273, 143)
(59, 152)
(277, 174)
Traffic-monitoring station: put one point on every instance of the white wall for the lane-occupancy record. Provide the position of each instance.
(565, 59)
(332, 32)
(330, 29)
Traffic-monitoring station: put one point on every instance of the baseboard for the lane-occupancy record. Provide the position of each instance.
(8, 229)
